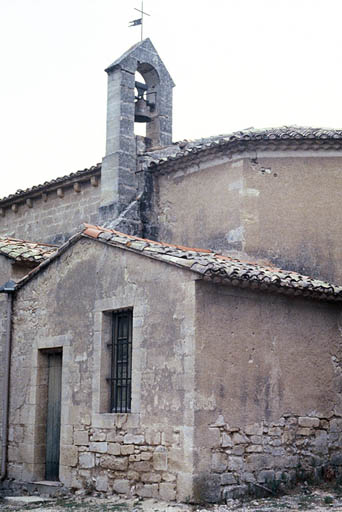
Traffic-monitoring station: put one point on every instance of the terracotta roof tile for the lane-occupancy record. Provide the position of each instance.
(315, 138)
(218, 268)
(25, 252)
(19, 194)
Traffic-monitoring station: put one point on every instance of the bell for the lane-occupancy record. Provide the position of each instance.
(142, 113)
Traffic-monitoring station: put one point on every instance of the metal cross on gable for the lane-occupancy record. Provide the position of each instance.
(139, 21)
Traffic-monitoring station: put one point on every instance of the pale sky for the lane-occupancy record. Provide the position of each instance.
(236, 64)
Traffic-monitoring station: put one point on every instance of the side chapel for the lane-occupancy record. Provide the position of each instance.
(170, 319)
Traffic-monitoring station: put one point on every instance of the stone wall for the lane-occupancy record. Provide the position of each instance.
(282, 207)
(54, 216)
(273, 455)
(268, 375)
(131, 461)
(3, 328)
(147, 452)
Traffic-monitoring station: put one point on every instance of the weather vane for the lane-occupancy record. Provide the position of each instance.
(139, 21)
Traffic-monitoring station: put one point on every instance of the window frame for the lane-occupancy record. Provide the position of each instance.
(120, 346)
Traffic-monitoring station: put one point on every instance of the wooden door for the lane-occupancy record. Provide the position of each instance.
(53, 421)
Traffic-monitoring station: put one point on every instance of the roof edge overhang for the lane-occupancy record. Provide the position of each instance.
(49, 186)
(233, 148)
(326, 292)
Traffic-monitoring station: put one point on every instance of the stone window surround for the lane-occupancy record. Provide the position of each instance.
(102, 334)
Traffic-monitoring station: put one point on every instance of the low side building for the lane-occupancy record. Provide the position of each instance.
(179, 373)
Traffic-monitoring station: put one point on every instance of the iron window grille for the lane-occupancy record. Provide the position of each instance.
(121, 362)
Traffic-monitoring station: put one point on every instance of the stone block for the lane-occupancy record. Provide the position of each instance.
(112, 436)
(219, 462)
(98, 436)
(122, 486)
(226, 440)
(336, 425)
(247, 477)
(254, 430)
(69, 455)
(259, 461)
(235, 463)
(235, 492)
(228, 479)
(214, 437)
(152, 438)
(305, 421)
(127, 449)
(81, 437)
(133, 439)
(256, 439)
(114, 449)
(101, 447)
(86, 460)
(143, 465)
(147, 491)
(146, 456)
(275, 431)
(168, 477)
(265, 476)
(114, 463)
(304, 431)
(167, 491)
(151, 478)
(101, 483)
(239, 438)
(254, 448)
(239, 449)
(160, 459)
(133, 475)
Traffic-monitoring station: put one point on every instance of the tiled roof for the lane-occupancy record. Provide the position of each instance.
(221, 269)
(25, 252)
(74, 176)
(289, 137)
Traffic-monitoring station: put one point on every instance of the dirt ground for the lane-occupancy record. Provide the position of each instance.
(315, 499)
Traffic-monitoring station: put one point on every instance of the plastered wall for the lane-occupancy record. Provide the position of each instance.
(268, 380)
(147, 452)
(277, 207)
(3, 325)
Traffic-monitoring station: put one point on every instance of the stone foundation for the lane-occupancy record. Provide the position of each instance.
(296, 448)
(132, 463)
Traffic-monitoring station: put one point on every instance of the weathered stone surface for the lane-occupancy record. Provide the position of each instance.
(81, 437)
(127, 450)
(219, 462)
(226, 440)
(167, 491)
(160, 459)
(148, 491)
(133, 439)
(114, 463)
(86, 460)
(254, 430)
(235, 463)
(101, 483)
(100, 447)
(121, 486)
(228, 479)
(114, 449)
(308, 422)
(69, 456)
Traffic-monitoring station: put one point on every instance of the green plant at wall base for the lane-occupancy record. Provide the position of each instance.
(328, 500)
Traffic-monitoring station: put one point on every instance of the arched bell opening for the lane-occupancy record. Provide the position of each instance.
(146, 98)
(141, 110)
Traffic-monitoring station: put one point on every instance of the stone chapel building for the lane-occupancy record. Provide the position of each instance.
(159, 333)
